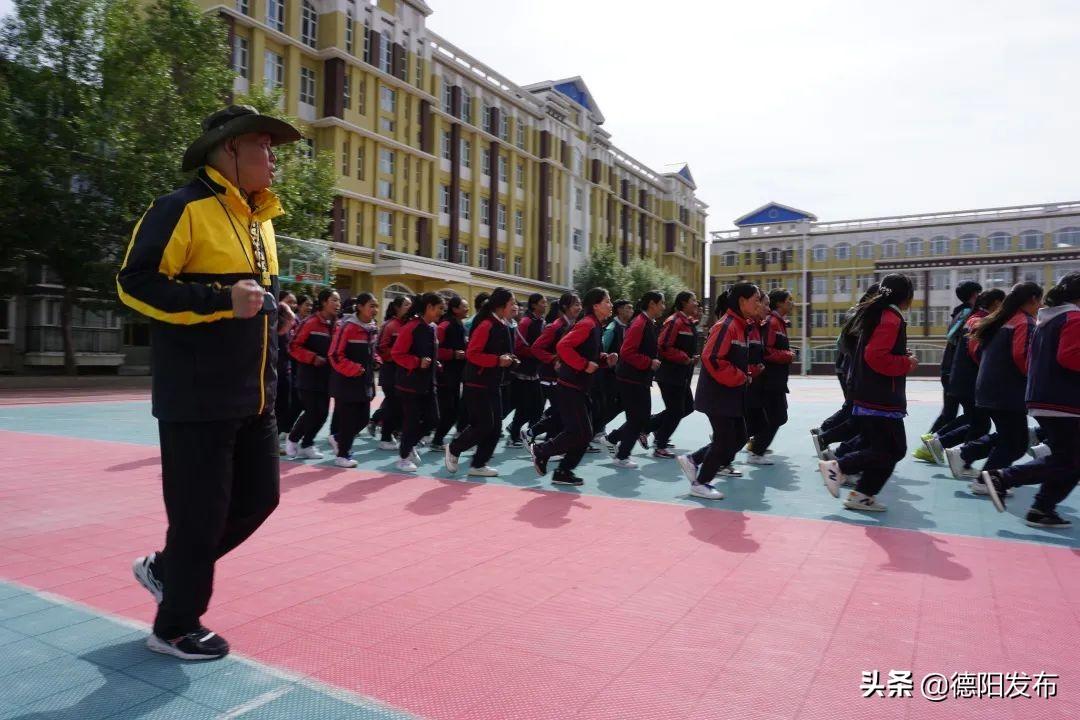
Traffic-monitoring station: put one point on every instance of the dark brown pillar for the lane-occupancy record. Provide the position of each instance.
(543, 237)
(337, 220)
(625, 220)
(334, 88)
(455, 175)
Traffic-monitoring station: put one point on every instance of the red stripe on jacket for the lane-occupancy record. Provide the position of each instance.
(543, 349)
(402, 350)
(1068, 352)
(338, 361)
(478, 338)
(567, 347)
(630, 352)
(714, 356)
(878, 353)
(673, 326)
(296, 346)
(775, 325)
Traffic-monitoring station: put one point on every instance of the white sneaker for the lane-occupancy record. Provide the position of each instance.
(143, 568)
(1040, 451)
(729, 471)
(828, 454)
(405, 465)
(818, 447)
(707, 492)
(979, 487)
(830, 473)
(933, 444)
(858, 501)
(415, 457)
(484, 471)
(333, 443)
(387, 445)
(626, 463)
(956, 465)
(310, 453)
(345, 462)
(752, 459)
(282, 437)
(689, 469)
(450, 459)
(291, 448)
(611, 447)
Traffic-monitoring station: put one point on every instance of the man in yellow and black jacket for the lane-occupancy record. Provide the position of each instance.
(202, 265)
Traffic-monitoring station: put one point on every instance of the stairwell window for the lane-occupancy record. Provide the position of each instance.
(386, 53)
(519, 223)
(463, 254)
(275, 14)
(309, 25)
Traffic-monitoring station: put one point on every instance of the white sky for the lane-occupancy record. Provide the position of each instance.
(845, 108)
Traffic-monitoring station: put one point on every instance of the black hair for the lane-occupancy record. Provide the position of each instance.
(349, 306)
(282, 294)
(729, 299)
(849, 324)
(301, 299)
(324, 295)
(560, 308)
(1020, 294)
(592, 298)
(681, 299)
(481, 299)
(966, 289)
(778, 296)
(421, 303)
(1066, 291)
(498, 298)
(647, 299)
(393, 306)
(894, 289)
(534, 299)
(621, 303)
(454, 303)
(989, 297)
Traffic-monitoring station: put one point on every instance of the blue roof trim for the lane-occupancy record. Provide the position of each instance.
(685, 175)
(575, 93)
(772, 214)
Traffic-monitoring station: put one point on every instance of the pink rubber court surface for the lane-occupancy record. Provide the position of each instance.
(450, 599)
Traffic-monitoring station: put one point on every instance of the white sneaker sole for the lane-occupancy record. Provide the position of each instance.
(688, 467)
(706, 495)
(140, 575)
(160, 646)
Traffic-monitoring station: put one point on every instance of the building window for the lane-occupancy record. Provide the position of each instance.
(243, 8)
(444, 200)
(387, 99)
(359, 225)
(575, 241)
(466, 107)
(819, 318)
(842, 251)
(864, 250)
(466, 153)
(998, 278)
(838, 318)
(346, 91)
(967, 275)
(820, 253)
(361, 96)
(275, 14)
(273, 71)
(520, 134)
(387, 126)
(485, 161)
(386, 161)
(1031, 274)
(240, 56)
(998, 242)
(482, 257)
(485, 211)
(309, 24)
(969, 243)
(519, 223)
(888, 249)
(346, 156)
(308, 148)
(517, 266)
(1031, 240)
(350, 18)
(500, 262)
(774, 253)
(447, 96)
(939, 279)
(1060, 271)
(386, 53)
(820, 288)
(579, 199)
(520, 175)
(442, 249)
(939, 316)
(863, 283)
(731, 258)
(915, 317)
(843, 285)
(386, 223)
(367, 41)
(504, 127)
(502, 169)
(1067, 237)
(386, 189)
(446, 154)
(360, 162)
(913, 247)
(465, 205)
(307, 86)
(501, 216)
(939, 245)
(419, 62)
(462, 254)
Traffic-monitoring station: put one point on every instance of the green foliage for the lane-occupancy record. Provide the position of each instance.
(605, 269)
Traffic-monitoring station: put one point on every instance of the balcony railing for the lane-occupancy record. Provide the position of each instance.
(50, 339)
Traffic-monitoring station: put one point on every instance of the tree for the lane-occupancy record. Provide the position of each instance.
(645, 275)
(602, 269)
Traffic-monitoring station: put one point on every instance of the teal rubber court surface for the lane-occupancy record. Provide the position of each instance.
(373, 594)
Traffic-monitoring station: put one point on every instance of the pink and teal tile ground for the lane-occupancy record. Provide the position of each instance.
(371, 594)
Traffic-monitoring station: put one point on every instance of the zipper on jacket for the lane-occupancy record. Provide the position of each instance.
(262, 365)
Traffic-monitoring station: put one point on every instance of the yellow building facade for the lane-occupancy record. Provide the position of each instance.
(450, 177)
(828, 265)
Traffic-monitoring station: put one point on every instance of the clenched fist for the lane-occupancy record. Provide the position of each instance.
(247, 299)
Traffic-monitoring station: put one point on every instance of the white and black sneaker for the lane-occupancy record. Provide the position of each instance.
(995, 488)
(815, 437)
(201, 644)
(143, 569)
(1039, 518)
(832, 475)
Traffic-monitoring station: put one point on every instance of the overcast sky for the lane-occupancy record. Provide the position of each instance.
(845, 108)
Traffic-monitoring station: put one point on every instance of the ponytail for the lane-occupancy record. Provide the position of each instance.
(561, 307)
(1020, 294)
(1066, 291)
(729, 299)
(592, 298)
(498, 298)
(648, 299)
(393, 307)
(894, 289)
(421, 303)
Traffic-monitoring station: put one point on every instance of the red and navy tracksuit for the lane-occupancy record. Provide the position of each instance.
(877, 384)
(544, 350)
(577, 348)
(721, 393)
(389, 412)
(778, 357)
(974, 422)
(754, 415)
(451, 336)
(634, 374)
(1052, 396)
(312, 340)
(414, 384)
(482, 382)
(999, 393)
(352, 379)
(527, 395)
(950, 403)
(606, 404)
(677, 346)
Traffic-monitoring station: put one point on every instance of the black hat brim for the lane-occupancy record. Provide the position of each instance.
(280, 133)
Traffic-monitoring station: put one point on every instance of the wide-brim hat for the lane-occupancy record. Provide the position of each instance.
(230, 122)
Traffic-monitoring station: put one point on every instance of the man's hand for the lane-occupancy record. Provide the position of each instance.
(319, 361)
(247, 299)
(655, 364)
(425, 363)
(591, 368)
